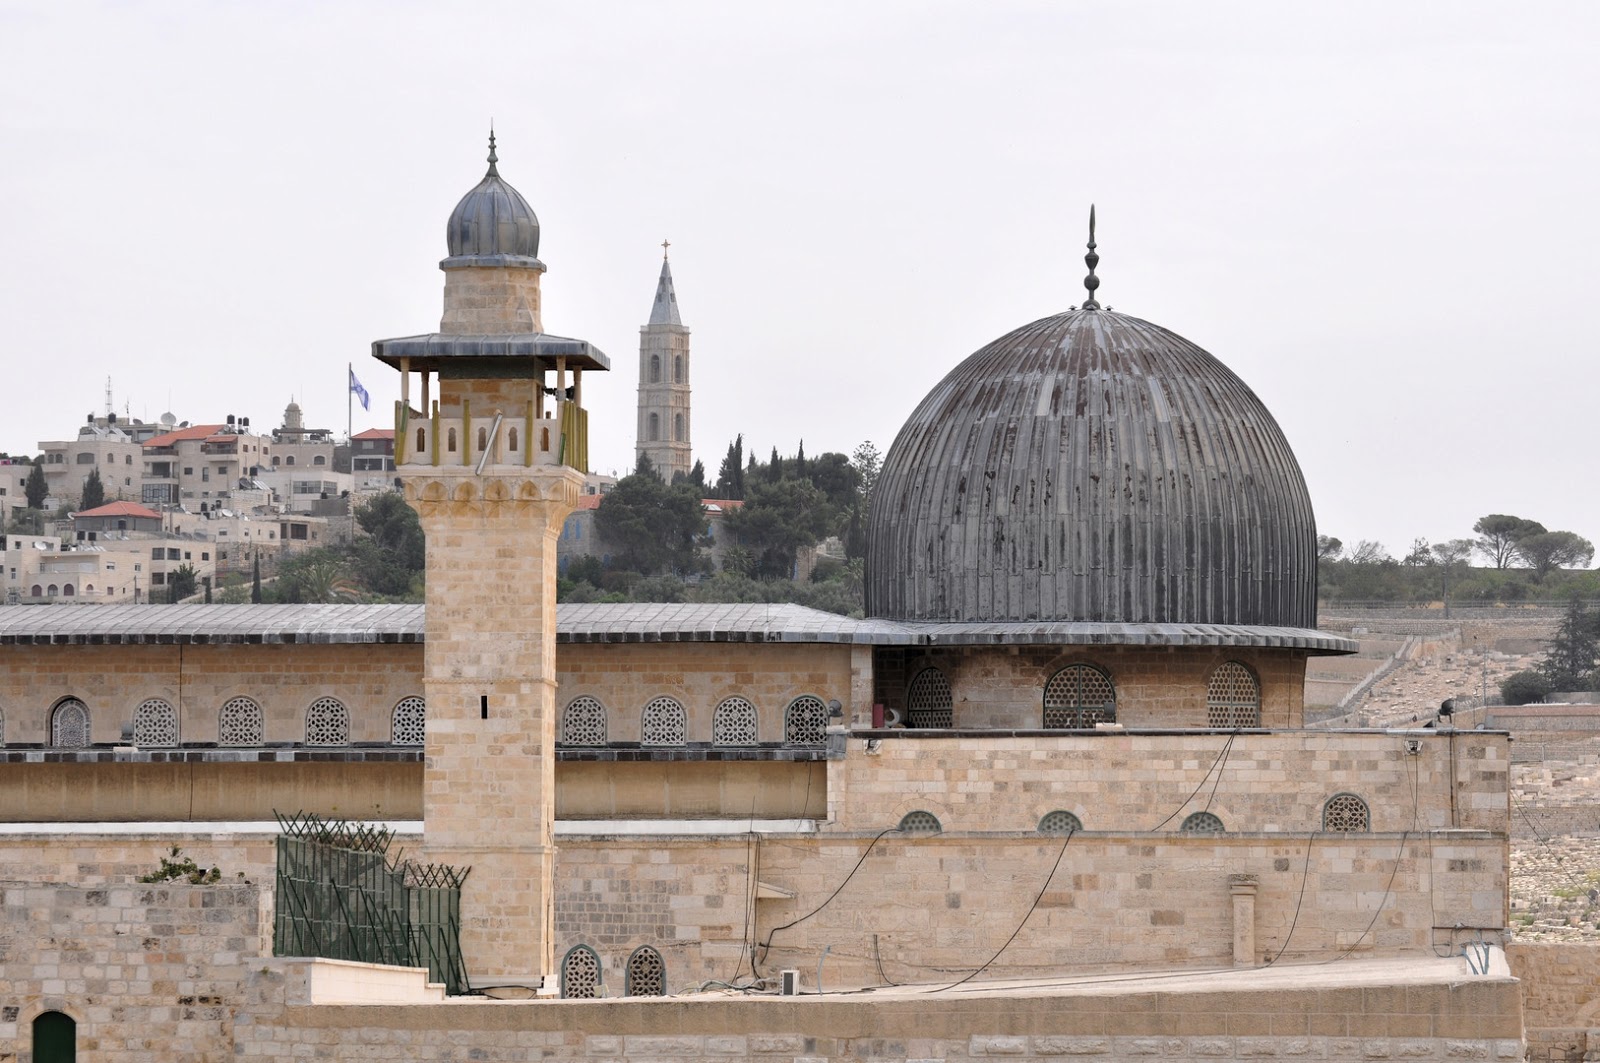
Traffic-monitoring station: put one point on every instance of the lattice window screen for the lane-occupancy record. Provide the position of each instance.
(239, 723)
(805, 723)
(928, 699)
(155, 723)
(734, 723)
(327, 723)
(664, 723)
(1346, 813)
(647, 973)
(920, 822)
(408, 723)
(69, 725)
(1202, 823)
(1079, 696)
(583, 723)
(580, 973)
(1060, 822)
(1233, 697)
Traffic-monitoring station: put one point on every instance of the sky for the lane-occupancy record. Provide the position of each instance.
(1382, 216)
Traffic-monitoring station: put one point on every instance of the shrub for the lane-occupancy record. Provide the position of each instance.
(1524, 688)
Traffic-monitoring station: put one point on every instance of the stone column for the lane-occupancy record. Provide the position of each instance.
(489, 678)
(1243, 889)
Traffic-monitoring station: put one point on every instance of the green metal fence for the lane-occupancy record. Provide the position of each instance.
(340, 896)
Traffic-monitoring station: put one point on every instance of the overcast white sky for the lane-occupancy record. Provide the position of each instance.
(1382, 216)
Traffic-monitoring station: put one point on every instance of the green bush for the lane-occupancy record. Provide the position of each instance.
(1523, 688)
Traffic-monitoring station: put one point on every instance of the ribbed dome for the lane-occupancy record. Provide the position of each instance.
(493, 221)
(1092, 467)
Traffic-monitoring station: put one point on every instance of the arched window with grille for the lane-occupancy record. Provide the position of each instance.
(1079, 696)
(239, 723)
(155, 723)
(1059, 821)
(327, 723)
(663, 723)
(583, 722)
(920, 822)
(408, 722)
(1346, 814)
(69, 724)
(580, 973)
(805, 721)
(646, 973)
(1201, 823)
(928, 699)
(734, 723)
(1233, 697)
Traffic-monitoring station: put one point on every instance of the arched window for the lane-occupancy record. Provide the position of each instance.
(408, 722)
(450, 440)
(483, 440)
(1201, 823)
(55, 1038)
(422, 442)
(805, 722)
(155, 723)
(580, 973)
(1347, 814)
(289, 460)
(928, 699)
(54, 590)
(583, 723)
(920, 822)
(68, 591)
(69, 724)
(1079, 696)
(734, 723)
(276, 461)
(544, 440)
(319, 459)
(654, 431)
(511, 437)
(677, 427)
(239, 723)
(1233, 697)
(1060, 822)
(38, 591)
(663, 723)
(655, 369)
(327, 723)
(646, 973)
(677, 369)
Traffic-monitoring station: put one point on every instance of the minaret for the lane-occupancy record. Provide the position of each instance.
(493, 465)
(664, 382)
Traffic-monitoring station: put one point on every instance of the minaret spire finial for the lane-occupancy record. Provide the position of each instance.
(1091, 282)
(493, 158)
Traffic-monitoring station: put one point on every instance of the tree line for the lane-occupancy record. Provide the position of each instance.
(1522, 559)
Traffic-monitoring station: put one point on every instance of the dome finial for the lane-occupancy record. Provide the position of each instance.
(1091, 282)
(493, 158)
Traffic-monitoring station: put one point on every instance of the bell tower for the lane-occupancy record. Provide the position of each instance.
(492, 457)
(663, 434)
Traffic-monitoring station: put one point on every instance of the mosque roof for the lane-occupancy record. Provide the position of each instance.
(1092, 467)
(67, 625)
(493, 225)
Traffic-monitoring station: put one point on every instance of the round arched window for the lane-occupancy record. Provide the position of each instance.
(1079, 696)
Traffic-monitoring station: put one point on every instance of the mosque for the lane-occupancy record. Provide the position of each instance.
(1054, 797)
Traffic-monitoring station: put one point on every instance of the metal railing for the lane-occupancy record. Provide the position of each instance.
(339, 896)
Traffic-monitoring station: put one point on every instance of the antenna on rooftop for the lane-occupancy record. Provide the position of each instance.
(110, 408)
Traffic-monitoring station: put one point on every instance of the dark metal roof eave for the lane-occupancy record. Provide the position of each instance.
(432, 350)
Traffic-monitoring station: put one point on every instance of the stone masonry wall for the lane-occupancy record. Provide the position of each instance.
(1004, 687)
(1143, 782)
(149, 972)
(1560, 993)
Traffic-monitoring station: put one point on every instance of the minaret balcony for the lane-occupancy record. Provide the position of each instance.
(523, 437)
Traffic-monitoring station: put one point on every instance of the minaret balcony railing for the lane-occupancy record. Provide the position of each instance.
(525, 437)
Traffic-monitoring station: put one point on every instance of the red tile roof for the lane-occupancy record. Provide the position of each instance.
(375, 433)
(194, 431)
(120, 509)
(589, 501)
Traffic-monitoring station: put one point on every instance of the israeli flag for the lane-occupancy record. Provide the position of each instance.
(360, 392)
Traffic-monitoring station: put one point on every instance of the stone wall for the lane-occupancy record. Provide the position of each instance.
(1560, 993)
(1004, 687)
(1274, 781)
(149, 972)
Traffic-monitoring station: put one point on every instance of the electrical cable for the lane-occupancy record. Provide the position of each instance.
(1387, 891)
(1224, 767)
(1026, 916)
(1220, 755)
(766, 946)
(1305, 874)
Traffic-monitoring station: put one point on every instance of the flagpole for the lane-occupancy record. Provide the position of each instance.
(349, 411)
